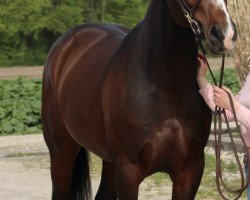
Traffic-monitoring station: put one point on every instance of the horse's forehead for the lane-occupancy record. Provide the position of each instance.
(219, 3)
(222, 5)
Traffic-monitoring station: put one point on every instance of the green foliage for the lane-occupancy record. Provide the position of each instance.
(20, 106)
(62, 17)
(29, 28)
(126, 12)
(230, 79)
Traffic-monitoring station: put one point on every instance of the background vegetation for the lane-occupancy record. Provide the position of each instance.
(241, 54)
(20, 105)
(29, 28)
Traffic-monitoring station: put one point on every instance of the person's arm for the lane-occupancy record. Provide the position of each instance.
(243, 115)
(206, 89)
(207, 93)
(201, 72)
(215, 96)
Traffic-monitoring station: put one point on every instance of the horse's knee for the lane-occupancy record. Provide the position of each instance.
(127, 179)
(186, 182)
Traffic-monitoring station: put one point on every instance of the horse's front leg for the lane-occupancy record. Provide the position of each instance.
(186, 181)
(127, 179)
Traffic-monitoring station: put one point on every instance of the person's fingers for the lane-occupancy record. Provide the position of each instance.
(201, 56)
(216, 96)
(216, 100)
(226, 89)
(201, 63)
(218, 90)
(223, 89)
(200, 60)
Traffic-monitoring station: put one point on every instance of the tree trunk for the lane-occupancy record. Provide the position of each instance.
(103, 11)
(91, 11)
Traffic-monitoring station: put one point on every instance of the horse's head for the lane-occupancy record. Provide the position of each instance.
(217, 25)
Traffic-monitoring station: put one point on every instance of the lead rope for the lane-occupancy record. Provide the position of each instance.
(218, 134)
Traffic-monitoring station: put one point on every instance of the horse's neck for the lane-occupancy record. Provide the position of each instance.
(161, 41)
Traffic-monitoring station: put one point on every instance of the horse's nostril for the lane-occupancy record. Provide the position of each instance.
(235, 33)
(235, 36)
(216, 33)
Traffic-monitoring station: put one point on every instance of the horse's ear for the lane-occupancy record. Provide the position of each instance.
(177, 13)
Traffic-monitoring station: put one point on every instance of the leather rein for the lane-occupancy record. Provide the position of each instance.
(219, 112)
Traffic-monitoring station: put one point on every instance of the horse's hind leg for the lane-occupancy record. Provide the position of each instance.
(63, 156)
(107, 189)
(69, 170)
(187, 181)
(69, 162)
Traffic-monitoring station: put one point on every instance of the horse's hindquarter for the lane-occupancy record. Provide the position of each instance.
(74, 67)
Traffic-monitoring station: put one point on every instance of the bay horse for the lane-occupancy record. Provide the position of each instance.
(131, 98)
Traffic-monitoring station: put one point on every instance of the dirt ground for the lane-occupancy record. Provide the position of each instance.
(25, 174)
(12, 72)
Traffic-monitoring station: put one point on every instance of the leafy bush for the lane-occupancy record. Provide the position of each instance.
(230, 79)
(20, 103)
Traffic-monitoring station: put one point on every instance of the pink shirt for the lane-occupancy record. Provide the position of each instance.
(243, 113)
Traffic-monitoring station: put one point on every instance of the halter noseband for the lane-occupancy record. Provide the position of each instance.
(189, 15)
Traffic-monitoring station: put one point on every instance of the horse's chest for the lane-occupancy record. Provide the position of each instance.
(159, 105)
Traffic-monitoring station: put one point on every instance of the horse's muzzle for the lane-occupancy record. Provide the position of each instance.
(221, 41)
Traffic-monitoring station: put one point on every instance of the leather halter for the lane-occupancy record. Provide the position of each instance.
(189, 15)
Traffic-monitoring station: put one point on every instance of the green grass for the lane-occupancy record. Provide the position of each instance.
(230, 79)
(21, 154)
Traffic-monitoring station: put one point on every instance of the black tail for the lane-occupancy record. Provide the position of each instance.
(81, 184)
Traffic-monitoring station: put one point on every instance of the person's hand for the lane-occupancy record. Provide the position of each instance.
(201, 71)
(221, 98)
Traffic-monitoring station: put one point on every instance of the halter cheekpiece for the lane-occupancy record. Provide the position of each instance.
(189, 15)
